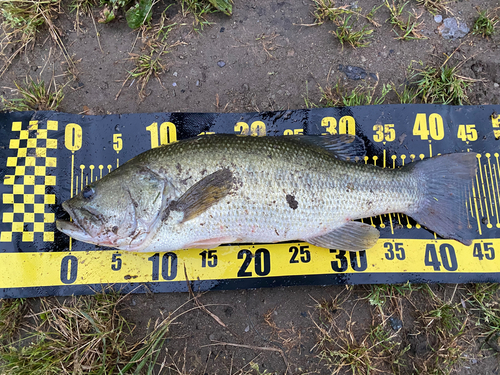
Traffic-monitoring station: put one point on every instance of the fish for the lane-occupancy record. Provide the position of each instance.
(218, 189)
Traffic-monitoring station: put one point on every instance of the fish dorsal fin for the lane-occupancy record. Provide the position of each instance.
(353, 236)
(204, 194)
(342, 146)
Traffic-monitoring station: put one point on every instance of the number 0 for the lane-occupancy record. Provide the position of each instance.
(73, 137)
(69, 269)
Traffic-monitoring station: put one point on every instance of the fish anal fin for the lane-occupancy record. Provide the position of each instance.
(353, 236)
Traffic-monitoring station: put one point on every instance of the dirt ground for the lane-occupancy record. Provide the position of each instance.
(265, 57)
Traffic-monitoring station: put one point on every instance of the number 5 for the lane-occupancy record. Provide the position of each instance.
(117, 142)
(117, 262)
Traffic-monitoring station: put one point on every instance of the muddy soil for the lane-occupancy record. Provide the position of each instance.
(265, 57)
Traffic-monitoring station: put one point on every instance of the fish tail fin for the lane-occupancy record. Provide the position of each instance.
(446, 180)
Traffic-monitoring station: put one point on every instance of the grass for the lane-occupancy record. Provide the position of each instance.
(149, 63)
(22, 20)
(345, 20)
(200, 9)
(444, 317)
(435, 6)
(145, 67)
(11, 314)
(447, 329)
(339, 95)
(388, 348)
(82, 6)
(484, 24)
(407, 96)
(35, 96)
(339, 349)
(326, 9)
(346, 33)
(409, 27)
(381, 293)
(441, 84)
(82, 335)
(449, 334)
(162, 29)
(485, 305)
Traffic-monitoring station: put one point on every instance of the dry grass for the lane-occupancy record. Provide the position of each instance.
(435, 6)
(437, 340)
(35, 96)
(406, 25)
(340, 348)
(11, 315)
(341, 96)
(22, 21)
(84, 335)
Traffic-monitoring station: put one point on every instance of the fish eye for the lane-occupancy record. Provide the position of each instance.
(88, 192)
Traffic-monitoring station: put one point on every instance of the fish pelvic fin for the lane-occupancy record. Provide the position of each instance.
(210, 243)
(353, 236)
(341, 146)
(446, 180)
(203, 195)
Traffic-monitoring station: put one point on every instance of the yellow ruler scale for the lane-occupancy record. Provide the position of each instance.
(239, 262)
(49, 157)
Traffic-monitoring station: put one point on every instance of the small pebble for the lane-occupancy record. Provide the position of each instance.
(352, 72)
(395, 323)
(221, 63)
(495, 85)
(174, 84)
(451, 29)
(222, 29)
(438, 18)
(175, 74)
(198, 83)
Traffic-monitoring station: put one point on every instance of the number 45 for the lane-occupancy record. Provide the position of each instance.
(467, 133)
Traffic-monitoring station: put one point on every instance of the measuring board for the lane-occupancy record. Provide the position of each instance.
(48, 157)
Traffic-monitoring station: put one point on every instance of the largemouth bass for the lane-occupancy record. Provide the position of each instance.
(216, 189)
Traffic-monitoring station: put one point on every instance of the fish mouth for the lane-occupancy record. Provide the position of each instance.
(72, 228)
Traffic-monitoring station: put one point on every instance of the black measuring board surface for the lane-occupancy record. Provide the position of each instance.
(47, 157)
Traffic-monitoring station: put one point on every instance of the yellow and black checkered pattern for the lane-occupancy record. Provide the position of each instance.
(29, 197)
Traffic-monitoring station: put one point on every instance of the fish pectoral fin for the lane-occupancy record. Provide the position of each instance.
(341, 146)
(204, 194)
(210, 243)
(353, 236)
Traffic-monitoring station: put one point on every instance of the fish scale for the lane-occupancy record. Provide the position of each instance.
(258, 211)
(224, 188)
